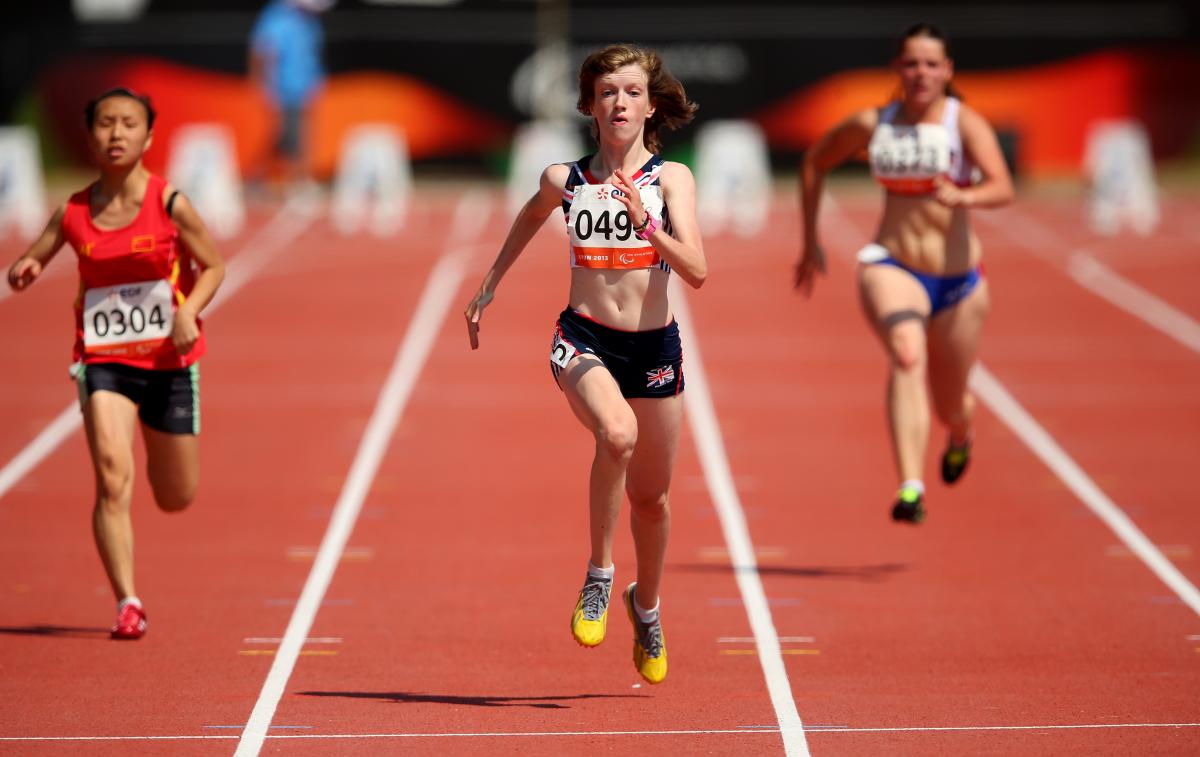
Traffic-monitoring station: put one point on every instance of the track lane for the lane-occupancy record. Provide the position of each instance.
(1006, 607)
(293, 367)
(460, 617)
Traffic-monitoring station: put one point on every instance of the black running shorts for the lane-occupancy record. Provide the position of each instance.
(644, 363)
(167, 401)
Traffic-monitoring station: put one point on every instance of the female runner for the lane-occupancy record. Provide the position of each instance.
(147, 267)
(921, 282)
(615, 351)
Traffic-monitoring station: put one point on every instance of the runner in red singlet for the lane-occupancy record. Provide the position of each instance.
(147, 267)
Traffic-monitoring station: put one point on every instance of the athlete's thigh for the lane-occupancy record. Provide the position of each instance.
(172, 462)
(954, 335)
(593, 394)
(110, 420)
(892, 299)
(659, 421)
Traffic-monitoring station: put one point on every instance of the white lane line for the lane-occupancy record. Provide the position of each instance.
(1089, 273)
(63, 425)
(470, 217)
(114, 738)
(706, 431)
(289, 223)
(977, 728)
(1106, 283)
(746, 731)
(1006, 407)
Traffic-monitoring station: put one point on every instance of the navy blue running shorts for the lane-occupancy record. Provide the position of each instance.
(644, 363)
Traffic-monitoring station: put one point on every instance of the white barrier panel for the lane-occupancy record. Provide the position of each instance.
(733, 177)
(374, 181)
(1120, 167)
(536, 145)
(203, 165)
(22, 189)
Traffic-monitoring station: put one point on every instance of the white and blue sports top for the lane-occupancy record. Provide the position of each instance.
(908, 158)
(600, 231)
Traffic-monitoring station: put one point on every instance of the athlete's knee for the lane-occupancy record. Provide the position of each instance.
(907, 347)
(954, 410)
(617, 437)
(649, 505)
(114, 478)
(173, 499)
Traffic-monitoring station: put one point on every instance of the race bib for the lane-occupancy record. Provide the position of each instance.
(128, 319)
(561, 352)
(601, 232)
(909, 152)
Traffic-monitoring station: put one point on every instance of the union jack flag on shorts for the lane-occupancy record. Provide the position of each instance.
(660, 376)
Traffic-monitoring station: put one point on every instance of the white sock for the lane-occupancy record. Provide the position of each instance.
(914, 483)
(646, 616)
(129, 601)
(604, 573)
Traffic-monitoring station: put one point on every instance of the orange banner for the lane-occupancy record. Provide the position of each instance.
(608, 257)
(434, 123)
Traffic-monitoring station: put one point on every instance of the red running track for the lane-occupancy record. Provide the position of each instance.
(1011, 607)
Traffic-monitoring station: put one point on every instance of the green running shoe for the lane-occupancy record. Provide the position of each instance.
(954, 460)
(910, 506)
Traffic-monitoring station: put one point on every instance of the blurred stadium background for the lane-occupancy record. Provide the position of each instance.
(459, 76)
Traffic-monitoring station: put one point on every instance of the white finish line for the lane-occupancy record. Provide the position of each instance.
(745, 731)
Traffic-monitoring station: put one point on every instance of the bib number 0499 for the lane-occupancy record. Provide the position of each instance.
(606, 223)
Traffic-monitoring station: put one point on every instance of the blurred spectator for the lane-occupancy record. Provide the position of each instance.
(285, 60)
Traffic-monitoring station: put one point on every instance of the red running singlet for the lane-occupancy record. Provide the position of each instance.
(131, 280)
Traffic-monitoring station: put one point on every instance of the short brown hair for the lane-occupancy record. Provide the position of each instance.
(672, 109)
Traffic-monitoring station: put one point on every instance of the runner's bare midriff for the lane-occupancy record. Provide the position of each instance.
(927, 236)
(629, 300)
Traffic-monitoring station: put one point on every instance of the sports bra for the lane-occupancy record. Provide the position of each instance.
(600, 231)
(907, 158)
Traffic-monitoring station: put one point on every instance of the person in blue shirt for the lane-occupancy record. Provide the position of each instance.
(285, 61)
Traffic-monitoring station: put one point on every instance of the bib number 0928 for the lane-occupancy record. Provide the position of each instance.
(605, 223)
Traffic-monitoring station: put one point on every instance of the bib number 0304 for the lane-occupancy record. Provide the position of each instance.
(140, 313)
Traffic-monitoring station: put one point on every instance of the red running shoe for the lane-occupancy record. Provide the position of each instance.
(131, 622)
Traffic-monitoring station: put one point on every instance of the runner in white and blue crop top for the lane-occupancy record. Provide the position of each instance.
(601, 235)
(615, 351)
(921, 279)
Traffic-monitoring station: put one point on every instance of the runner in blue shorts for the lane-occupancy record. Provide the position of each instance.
(921, 281)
